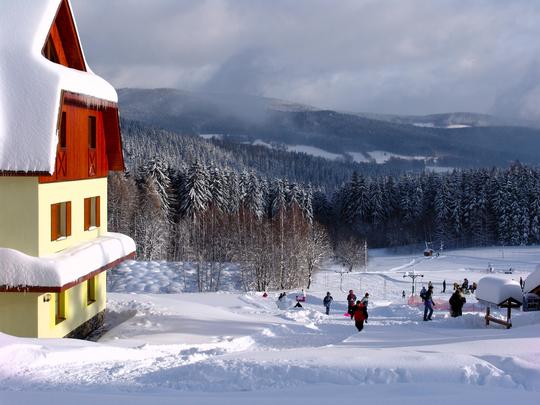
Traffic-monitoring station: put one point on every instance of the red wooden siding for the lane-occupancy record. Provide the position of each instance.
(87, 122)
(62, 45)
(77, 161)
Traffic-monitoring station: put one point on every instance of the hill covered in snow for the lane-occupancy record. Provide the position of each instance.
(442, 140)
(171, 346)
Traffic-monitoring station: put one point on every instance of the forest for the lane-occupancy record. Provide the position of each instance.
(210, 211)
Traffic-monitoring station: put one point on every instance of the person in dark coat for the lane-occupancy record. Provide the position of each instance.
(444, 286)
(428, 304)
(351, 299)
(360, 315)
(327, 301)
(457, 300)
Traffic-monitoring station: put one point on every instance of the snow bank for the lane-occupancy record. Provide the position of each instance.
(497, 290)
(18, 269)
(161, 277)
(31, 85)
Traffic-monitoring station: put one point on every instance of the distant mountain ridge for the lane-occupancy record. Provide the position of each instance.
(474, 140)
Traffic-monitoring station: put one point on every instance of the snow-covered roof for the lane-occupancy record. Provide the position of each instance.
(69, 265)
(533, 280)
(31, 85)
(497, 290)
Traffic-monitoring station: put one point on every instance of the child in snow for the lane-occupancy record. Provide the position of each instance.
(428, 304)
(351, 299)
(360, 315)
(365, 300)
(327, 301)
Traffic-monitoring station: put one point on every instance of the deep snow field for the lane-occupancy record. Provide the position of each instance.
(164, 344)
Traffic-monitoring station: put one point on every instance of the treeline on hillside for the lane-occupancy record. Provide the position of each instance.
(142, 142)
(211, 216)
(458, 209)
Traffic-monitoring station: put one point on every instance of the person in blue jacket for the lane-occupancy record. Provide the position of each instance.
(428, 303)
(327, 301)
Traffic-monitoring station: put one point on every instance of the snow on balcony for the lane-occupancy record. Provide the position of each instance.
(20, 270)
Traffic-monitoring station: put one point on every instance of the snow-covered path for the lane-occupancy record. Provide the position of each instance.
(239, 347)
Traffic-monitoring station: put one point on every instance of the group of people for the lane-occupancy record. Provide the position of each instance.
(457, 300)
(357, 309)
(465, 287)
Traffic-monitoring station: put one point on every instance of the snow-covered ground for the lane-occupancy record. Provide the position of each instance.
(314, 151)
(239, 347)
(381, 156)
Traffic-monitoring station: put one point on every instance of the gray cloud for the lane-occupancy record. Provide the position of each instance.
(392, 56)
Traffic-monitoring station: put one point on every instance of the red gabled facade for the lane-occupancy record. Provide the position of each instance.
(89, 143)
(62, 45)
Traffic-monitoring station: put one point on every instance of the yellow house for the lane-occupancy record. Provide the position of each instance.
(59, 137)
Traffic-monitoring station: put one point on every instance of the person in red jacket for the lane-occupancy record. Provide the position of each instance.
(360, 315)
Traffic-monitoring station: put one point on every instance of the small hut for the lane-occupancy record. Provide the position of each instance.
(499, 293)
(531, 291)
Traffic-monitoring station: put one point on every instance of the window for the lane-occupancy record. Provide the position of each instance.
(60, 313)
(91, 213)
(63, 131)
(92, 132)
(90, 290)
(60, 220)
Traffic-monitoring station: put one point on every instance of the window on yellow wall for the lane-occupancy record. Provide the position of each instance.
(60, 307)
(91, 213)
(60, 220)
(91, 290)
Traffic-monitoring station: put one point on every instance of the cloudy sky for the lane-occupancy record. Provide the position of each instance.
(386, 56)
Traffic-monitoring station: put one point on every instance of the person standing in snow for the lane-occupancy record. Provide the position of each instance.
(327, 301)
(351, 299)
(457, 300)
(521, 283)
(365, 299)
(423, 292)
(444, 286)
(360, 315)
(428, 304)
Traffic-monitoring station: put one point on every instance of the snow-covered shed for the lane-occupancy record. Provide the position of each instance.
(498, 291)
(532, 282)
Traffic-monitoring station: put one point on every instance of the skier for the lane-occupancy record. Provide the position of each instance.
(444, 286)
(351, 299)
(428, 304)
(403, 294)
(365, 299)
(457, 300)
(360, 315)
(521, 283)
(327, 301)
(465, 284)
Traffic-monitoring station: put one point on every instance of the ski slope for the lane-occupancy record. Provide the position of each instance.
(238, 347)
